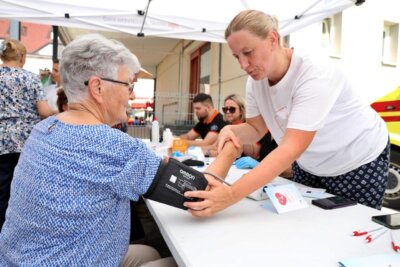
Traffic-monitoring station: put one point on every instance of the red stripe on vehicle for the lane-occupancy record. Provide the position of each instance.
(386, 106)
(391, 118)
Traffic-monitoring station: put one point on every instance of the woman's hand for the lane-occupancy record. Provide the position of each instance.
(225, 135)
(217, 197)
(246, 163)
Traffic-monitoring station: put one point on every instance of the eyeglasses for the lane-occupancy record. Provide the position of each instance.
(130, 85)
(230, 109)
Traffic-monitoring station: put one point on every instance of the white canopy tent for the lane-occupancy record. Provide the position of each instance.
(203, 20)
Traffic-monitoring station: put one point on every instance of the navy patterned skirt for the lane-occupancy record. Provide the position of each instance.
(366, 184)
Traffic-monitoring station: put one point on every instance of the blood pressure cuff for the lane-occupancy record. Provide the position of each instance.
(172, 180)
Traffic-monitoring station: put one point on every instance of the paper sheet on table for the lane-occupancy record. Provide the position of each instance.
(286, 198)
(382, 260)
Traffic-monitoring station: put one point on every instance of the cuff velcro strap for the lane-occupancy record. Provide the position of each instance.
(172, 180)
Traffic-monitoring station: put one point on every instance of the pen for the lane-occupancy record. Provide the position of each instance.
(364, 232)
(375, 236)
(395, 245)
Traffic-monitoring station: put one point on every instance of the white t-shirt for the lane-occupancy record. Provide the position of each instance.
(51, 95)
(318, 96)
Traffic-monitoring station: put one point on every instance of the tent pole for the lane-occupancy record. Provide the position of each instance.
(299, 15)
(141, 34)
(219, 75)
(55, 43)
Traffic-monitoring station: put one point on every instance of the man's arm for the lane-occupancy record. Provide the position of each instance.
(210, 139)
(246, 133)
(191, 135)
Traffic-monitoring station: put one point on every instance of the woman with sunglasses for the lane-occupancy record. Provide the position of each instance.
(71, 192)
(334, 140)
(234, 109)
(234, 112)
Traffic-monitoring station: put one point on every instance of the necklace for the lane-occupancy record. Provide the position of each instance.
(86, 112)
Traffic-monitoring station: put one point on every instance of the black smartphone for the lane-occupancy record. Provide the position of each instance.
(391, 221)
(333, 202)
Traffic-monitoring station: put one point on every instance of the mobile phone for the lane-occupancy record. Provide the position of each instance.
(391, 221)
(333, 202)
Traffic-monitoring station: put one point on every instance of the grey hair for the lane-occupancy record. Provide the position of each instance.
(90, 55)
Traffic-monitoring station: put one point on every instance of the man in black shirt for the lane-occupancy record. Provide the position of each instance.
(210, 122)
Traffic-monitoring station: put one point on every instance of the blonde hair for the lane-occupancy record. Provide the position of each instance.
(253, 21)
(12, 50)
(240, 102)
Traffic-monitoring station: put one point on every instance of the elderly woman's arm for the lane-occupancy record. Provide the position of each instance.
(220, 196)
(220, 168)
(246, 133)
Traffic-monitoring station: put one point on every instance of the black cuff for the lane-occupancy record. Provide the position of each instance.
(156, 179)
(172, 180)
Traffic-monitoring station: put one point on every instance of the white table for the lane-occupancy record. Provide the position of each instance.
(247, 234)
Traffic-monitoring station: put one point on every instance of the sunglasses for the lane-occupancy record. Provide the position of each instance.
(130, 85)
(229, 109)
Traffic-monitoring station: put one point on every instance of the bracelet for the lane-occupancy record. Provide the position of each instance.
(217, 177)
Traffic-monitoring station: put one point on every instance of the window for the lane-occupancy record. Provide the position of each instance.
(331, 35)
(390, 38)
(205, 68)
(200, 69)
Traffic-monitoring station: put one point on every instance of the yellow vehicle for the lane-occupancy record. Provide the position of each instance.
(388, 108)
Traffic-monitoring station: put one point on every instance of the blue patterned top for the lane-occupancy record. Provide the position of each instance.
(70, 195)
(20, 90)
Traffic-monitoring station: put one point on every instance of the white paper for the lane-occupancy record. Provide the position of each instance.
(286, 198)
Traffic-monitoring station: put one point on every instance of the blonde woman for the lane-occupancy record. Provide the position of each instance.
(334, 140)
(234, 109)
(22, 104)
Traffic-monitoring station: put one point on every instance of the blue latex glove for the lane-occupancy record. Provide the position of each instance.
(176, 153)
(246, 163)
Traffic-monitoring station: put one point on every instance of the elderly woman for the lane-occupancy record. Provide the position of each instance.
(333, 139)
(22, 104)
(69, 201)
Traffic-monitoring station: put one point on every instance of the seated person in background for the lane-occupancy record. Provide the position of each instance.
(62, 100)
(69, 203)
(210, 122)
(22, 105)
(234, 109)
(234, 113)
(136, 121)
(254, 154)
(52, 89)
